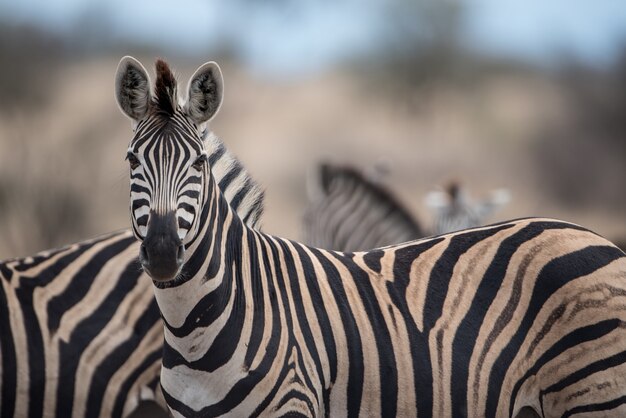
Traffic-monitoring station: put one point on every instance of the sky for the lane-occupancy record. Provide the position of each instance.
(295, 36)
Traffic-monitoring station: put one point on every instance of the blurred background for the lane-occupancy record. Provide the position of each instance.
(530, 96)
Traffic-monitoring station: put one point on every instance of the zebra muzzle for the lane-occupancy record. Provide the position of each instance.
(162, 253)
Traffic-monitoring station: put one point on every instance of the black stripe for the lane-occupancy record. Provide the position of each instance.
(192, 194)
(300, 315)
(34, 338)
(36, 260)
(256, 210)
(126, 386)
(441, 273)
(142, 220)
(235, 170)
(321, 317)
(217, 155)
(240, 195)
(244, 386)
(595, 407)
(137, 203)
(257, 283)
(573, 339)
(71, 351)
(352, 334)
(9, 360)
(115, 360)
(595, 367)
(184, 224)
(552, 277)
(82, 282)
(226, 340)
(296, 395)
(372, 259)
(387, 371)
(467, 331)
(422, 369)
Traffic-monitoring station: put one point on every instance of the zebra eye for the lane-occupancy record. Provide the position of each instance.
(200, 161)
(132, 160)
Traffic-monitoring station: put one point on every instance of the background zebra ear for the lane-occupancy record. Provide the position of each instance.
(132, 88)
(317, 181)
(205, 92)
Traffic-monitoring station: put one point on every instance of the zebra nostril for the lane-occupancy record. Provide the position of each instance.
(143, 254)
(180, 254)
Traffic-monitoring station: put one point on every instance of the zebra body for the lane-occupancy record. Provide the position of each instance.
(349, 212)
(489, 322)
(80, 330)
(80, 333)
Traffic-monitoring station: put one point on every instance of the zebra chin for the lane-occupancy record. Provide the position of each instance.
(162, 253)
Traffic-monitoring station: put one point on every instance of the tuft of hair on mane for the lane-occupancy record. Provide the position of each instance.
(165, 88)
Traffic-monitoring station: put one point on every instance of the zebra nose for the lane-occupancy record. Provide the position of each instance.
(143, 253)
(180, 255)
(162, 252)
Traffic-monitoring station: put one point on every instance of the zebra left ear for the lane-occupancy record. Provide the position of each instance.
(205, 92)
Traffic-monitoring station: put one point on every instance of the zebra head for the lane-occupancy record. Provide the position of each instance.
(167, 157)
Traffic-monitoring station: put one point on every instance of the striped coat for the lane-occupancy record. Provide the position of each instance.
(514, 319)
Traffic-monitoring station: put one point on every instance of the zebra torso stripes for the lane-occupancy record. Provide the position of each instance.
(479, 323)
(80, 331)
(349, 212)
(489, 322)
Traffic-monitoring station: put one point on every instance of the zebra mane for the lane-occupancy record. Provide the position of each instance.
(166, 97)
(243, 193)
(330, 174)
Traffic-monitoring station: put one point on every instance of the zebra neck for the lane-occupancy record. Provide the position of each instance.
(241, 191)
(211, 287)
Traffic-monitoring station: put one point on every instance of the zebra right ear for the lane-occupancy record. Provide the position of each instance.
(132, 88)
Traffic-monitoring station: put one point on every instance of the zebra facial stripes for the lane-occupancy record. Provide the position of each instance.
(497, 321)
(167, 158)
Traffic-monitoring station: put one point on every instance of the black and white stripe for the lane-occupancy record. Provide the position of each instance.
(348, 211)
(80, 330)
(521, 317)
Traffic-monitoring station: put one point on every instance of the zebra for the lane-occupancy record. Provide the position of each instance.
(520, 318)
(80, 330)
(350, 211)
(454, 210)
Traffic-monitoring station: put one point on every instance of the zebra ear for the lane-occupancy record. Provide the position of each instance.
(317, 181)
(132, 88)
(205, 92)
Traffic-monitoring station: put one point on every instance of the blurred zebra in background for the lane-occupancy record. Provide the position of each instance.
(352, 210)
(454, 209)
(80, 330)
